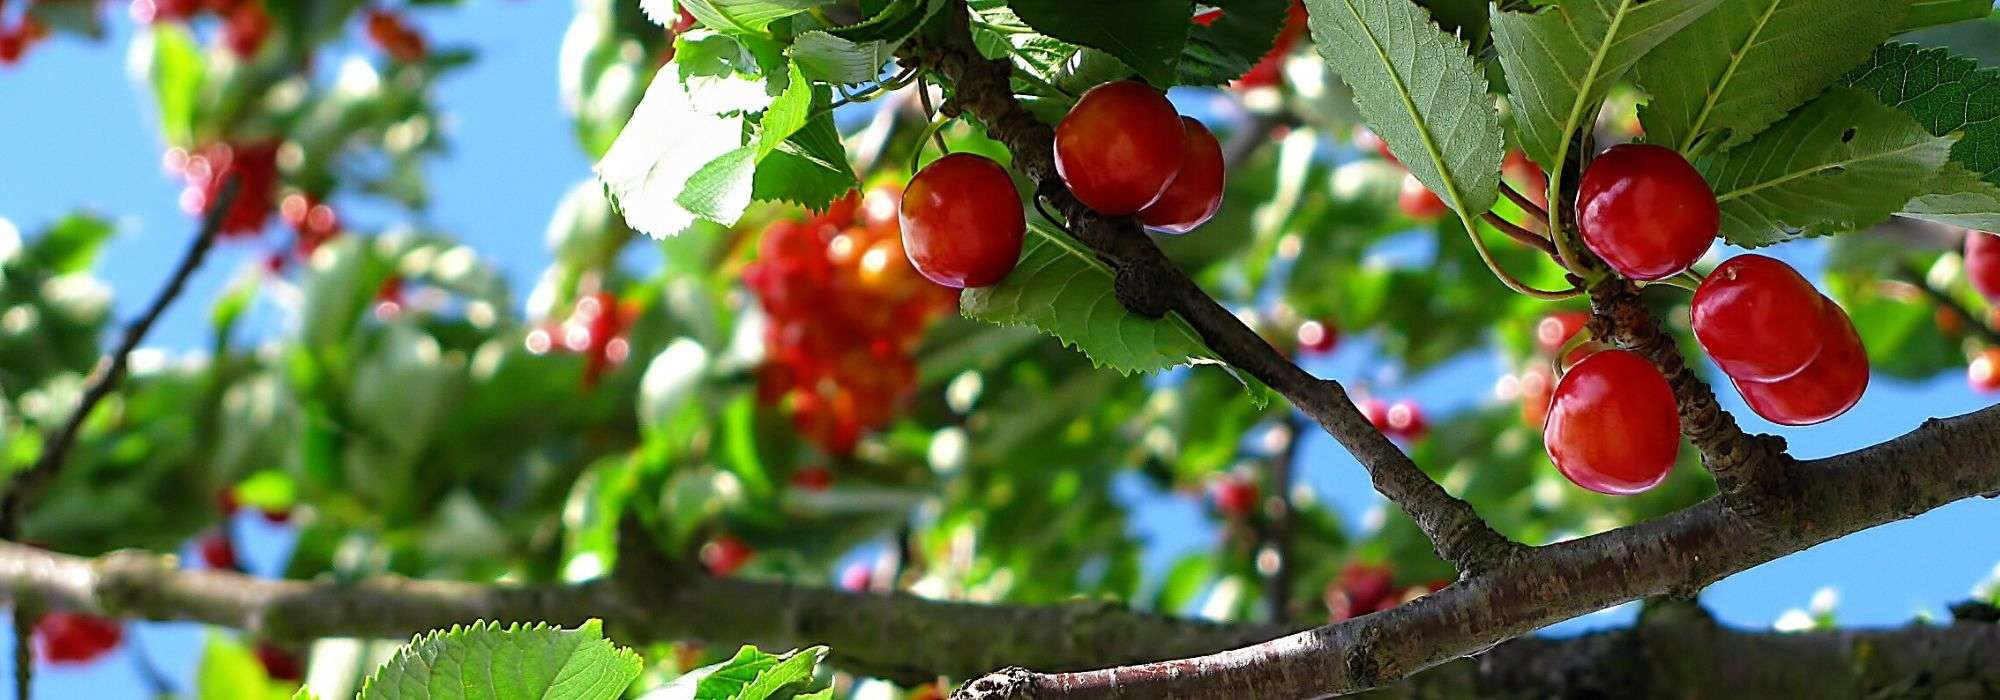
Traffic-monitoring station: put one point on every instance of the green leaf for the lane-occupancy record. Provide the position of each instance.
(1067, 293)
(895, 22)
(728, 16)
(1746, 63)
(794, 674)
(832, 59)
(658, 154)
(228, 671)
(1147, 35)
(1930, 13)
(1419, 90)
(486, 662)
(1945, 93)
(1958, 197)
(1841, 163)
(1561, 61)
(1228, 48)
(809, 169)
(177, 71)
(72, 243)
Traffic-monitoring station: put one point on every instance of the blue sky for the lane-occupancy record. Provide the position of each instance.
(75, 132)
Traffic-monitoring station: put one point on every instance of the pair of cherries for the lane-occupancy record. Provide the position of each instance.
(1794, 355)
(1122, 150)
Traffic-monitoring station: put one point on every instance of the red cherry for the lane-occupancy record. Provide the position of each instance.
(1318, 338)
(1361, 589)
(1377, 413)
(1948, 322)
(76, 638)
(1406, 421)
(1555, 330)
(217, 552)
(1613, 428)
(1758, 318)
(1537, 387)
(279, 663)
(387, 30)
(1646, 211)
(1195, 193)
(275, 516)
(962, 221)
(1419, 202)
(857, 576)
(225, 500)
(1984, 372)
(1119, 147)
(684, 19)
(1233, 496)
(245, 30)
(814, 478)
(1207, 17)
(1527, 177)
(1982, 263)
(1826, 388)
(725, 554)
(1268, 71)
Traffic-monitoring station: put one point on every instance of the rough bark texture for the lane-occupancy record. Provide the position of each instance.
(1148, 283)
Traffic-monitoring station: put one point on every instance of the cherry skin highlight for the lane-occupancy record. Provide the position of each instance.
(1984, 372)
(1555, 330)
(1612, 426)
(1826, 388)
(1196, 191)
(1119, 147)
(1758, 318)
(962, 222)
(1646, 211)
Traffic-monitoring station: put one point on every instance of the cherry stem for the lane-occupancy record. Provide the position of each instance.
(924, 96)
(931, 132)
(1685, 280)
(1521, 235)
(1512, 282)
(897, 82)
(1522, 201)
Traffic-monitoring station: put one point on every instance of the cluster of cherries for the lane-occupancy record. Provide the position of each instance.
(596, 329)
(846, 310)
(395, 37)
(245, 23)
(1612, 424)
(1982, 267)
(253, 164)
(16, 40)
(1364, 588)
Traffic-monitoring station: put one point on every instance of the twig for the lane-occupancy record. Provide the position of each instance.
(1522, 201)
(1951, 304)
(1521, 235)
(24, 486)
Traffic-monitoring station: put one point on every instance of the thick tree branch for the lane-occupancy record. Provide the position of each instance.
(1149, 284)
(1943, 461)
(1748, 469)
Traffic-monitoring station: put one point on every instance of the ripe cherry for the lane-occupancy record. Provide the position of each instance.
(1195, 193)
(1406, 421)
(1537, 387)
(1982, 263)
(1361, 589)
(246, 28)
(1555, 330)
(857, 576)
(1758, 318)
(388, 31)
(1526, 177)
(1377, 413)
(275, 516)
(1417, 201)
(1613, 427)
(1318, 337)
(962, 221)
(1826, 388)
(725, 554)
(1366, 139)
(1984, 372)
(1268, 71)
(75, 638)
(217, 552)
(1948, 322)
(1645, 211)
(1119, 147)
(813, 478)
(1233, 496)
(280, 663)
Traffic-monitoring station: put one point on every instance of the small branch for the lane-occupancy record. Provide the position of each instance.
(1951, 304)
(24, 486)
(1522, 201)
(1749, 469)
(1521, 235)
(1149, 284)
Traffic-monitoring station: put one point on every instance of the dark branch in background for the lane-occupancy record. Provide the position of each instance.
(1973, 323)
(913, 639)
(1749, 469)
(1148, 283)
(22, 489)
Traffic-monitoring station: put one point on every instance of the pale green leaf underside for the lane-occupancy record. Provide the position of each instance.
(1064, 292)
(1958, 197)
(488, 662)
(1841, 163)
(667, 141)
(1419, 90)
(1561, 61)
(832, 59)
(1746, 63)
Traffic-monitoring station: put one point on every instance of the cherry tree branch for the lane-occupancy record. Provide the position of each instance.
(1950, 304)
(1149, 284)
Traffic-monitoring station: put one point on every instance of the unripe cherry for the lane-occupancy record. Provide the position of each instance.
(1646, 211)
(962, 222)
(1612, 427)
(1982, 263)
(1758, 318)
(1119, 147)
(1195, 193)
(1826, 388)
